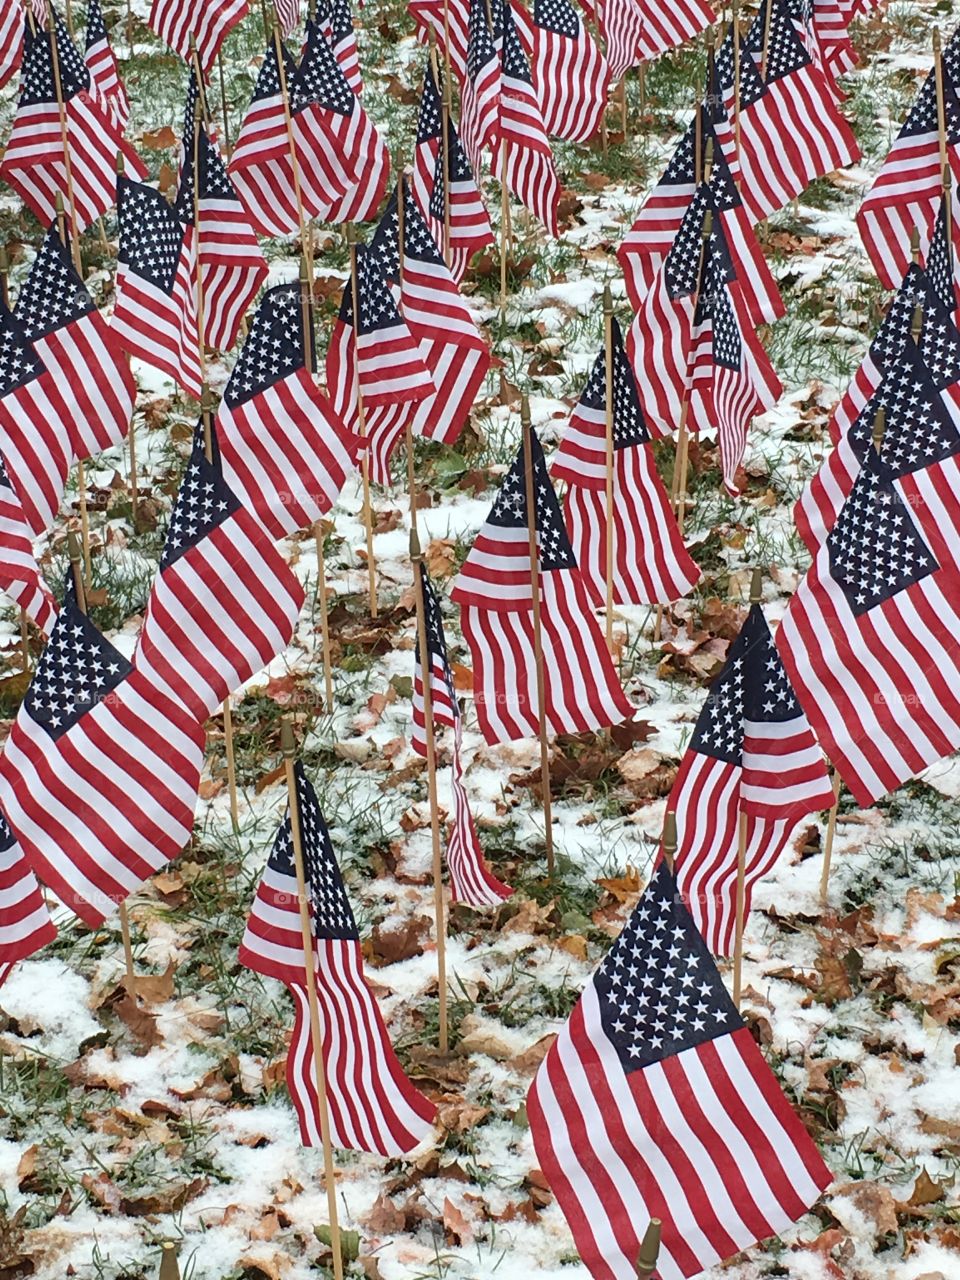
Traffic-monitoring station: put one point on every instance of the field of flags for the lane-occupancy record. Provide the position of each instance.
(479, 660)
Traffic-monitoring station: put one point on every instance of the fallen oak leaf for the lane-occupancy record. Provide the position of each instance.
(455, 1224)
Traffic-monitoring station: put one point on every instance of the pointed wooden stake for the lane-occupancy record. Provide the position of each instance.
(537, 631)
(609, 398)
(416, 560)
(649, 1250)
(289, 750)
(169, 1267)
(362, 423)
(756, 595)
(828, 838)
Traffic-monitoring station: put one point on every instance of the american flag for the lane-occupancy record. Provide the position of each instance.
(648, 241)
(207, 22)
(373, 1106)
(284, 452)
(25, 924)
(640, 30)
(155, 317)
(471, 880)
(288, 12)
(224, 601)
(493, 589)
(906, 192)
(35, 440)
(34, 164)
(232, 265)
(823, 29)
(752, 756)
(790, 129)
(11, 38)
(530, 170)
(570, 74)
(336, 23)
(20, 575)
(451, 346)
(470, 229)
(620, 22)
(90, 384)
(869, 638)
(99, 776)
(379, 358)
(480, 88)
(651, 564)
(101, 62)
(436, 19)
(655, 1101)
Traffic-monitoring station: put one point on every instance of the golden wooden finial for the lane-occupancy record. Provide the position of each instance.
(607, 301)
(169, 1268)
(915, 246)
(74, 550)
(288, 741)
(525, 411)
(879, 428)
(756, 585)
(415, 549)
(649, 1249)
(668, 838)
(916, 324)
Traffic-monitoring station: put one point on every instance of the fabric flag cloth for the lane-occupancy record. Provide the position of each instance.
(283, 450)
(25, 924)
(651, 564)
(20, 575)
(752, 759)
(451, 346)
(33, 163)
(336, 23)
(437, 20)
(224, 602)
(231, 262)
(480, 89)
(520, 147)
(790, 129)
(178, 23)
(648, 241)
(105, 82)
(571, 77)
(288, 13)
(91, 387)
(655, 1102)
(471, 880)
(373, 1106)
(640, 30)
(11, 38)
(155, 317)
(823, 29)
(869, 639)
(906, 193)
(470, 228)
(100, 774)
(493, 589)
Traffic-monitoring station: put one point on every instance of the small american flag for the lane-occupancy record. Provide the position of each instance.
(651, 564)
(906, 192)
(288, 11)
(436, 19)
(284, 452)
(570, 74)
(207, 22)
(99, 776)
(20, 575)
(101, 62)
(12, 22)
(480, 89)
(655, 1101)
(470, 229)
(373, 1106)
(471, 880)
(155, 318)
(451, 346)
(33, 163)
(91, 385)
(25, 924)
(869, 637)
(232, 265)
(582, 691)
(753, 754)
(822, 27)
(336, 23)
(224, 602)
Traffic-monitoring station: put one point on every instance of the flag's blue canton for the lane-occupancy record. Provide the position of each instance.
(714, 305)
(37, 83)
(659, 989)
(939, 265)
(273, 348)
(480, 46)
(681, 171)
(268, 81)
(53, 295)
(751, 86)
(19, 362)
(918, 430)
(96, 28)
(510, 509)
(7, 838)
(629, 427)
(875, 548)
(682, 264)
(331, 916)
(458, 165)
(320, 79)
(785, 51)
(436, 641)
(514, 60)
(151, 234)
(337, 13)
(429, 121)
(418, 243)
(205, 500)
(374, 299)
(923, 118)
(78, 669)
(940, 339)
(558, 16)
(215, 183)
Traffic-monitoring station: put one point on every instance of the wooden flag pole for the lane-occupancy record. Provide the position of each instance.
(223, 104)
(131, 434)
(306, 240)
(836, 783)
(446, 116)
(401, 242)
(198, 274)
(609, 394)
(80, 592)
(64, 136)
(948, 222)
(130, 27)
(527, 430)
(756, 595)
(416, 559)
(289, 750)
(169, 1267)
(5, 295)
(682, 457)
(945, 174)
(505, 229)
(767, 27)
(735, 41)
(649, 1250)
(362, 423)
